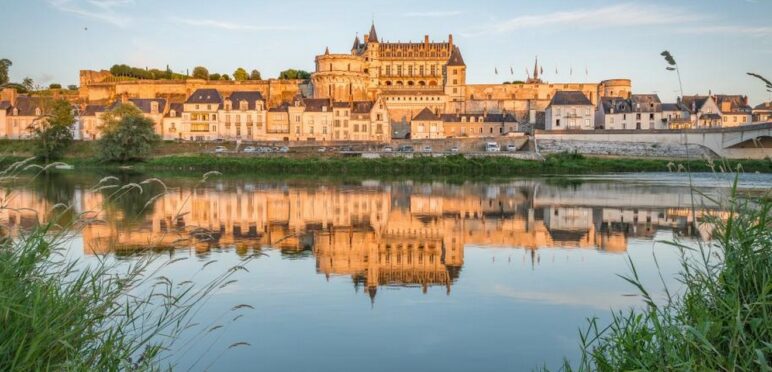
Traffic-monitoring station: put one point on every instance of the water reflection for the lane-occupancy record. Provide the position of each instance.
(378, 233)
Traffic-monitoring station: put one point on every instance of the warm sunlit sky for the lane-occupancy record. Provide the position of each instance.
(715, 41)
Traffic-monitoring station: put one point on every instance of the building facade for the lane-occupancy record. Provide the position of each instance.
(569, 110)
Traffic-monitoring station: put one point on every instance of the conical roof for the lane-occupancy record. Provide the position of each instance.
(372, 36)
(455, 58)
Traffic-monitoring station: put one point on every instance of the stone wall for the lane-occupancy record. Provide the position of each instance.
(624, 149)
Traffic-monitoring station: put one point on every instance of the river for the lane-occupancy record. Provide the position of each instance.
(385, 275)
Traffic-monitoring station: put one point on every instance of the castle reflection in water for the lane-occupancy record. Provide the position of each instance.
(379, 233)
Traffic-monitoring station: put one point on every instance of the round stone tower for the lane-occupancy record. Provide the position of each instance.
(341, 77)
(615, 88)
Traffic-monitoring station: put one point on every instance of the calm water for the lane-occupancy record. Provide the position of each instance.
(392, 275)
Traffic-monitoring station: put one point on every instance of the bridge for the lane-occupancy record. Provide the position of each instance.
(752, 141)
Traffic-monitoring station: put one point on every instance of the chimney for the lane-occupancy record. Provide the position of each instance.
(124, 98)
(426, 40)
(450, 41)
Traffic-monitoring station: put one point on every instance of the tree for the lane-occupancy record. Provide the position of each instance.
(240, 74)
(200, 72)
(51, 133)
(72, 87)
(255, 75)
(225, 77)
(214, 76)
(28, 83)
(291, 74)
(55, 86)
(4, 65)
(127, 135)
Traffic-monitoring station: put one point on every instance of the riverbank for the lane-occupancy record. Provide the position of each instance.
(564, 163)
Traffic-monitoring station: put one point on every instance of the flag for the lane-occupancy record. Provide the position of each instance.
(527, 73)
(571, 71)
(541, 70)
(496, 70)
(556, 70)
(586, 71)
(511, 70)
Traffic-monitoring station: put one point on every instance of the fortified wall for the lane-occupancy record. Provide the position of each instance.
(102, 86)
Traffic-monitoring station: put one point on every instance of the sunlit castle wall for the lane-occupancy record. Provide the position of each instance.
(341, 77)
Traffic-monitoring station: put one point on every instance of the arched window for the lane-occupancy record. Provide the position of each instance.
(422, 83)
(410, 83)
(400, 83)
(388, 82)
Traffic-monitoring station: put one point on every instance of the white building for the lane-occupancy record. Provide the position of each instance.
(640, 111)
(569, 110)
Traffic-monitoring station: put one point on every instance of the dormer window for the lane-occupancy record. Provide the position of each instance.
(173, 113)
(154, 107)
(15, 111)
(37, 111)
(243, 105)
(228, 105)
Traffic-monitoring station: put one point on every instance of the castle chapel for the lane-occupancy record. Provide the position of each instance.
(411, 76)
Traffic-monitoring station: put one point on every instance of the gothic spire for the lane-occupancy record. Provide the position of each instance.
(536, 69)
(356, 43)
(372, 37)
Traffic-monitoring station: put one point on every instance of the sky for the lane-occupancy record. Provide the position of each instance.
(715, 42)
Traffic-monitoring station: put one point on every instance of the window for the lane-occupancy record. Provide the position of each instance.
(587, 123)
(399, 70)
(557, 122)
(410, 70)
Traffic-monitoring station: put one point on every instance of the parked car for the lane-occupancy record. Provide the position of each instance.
(249, 149)
(284, 149)
(220, 149)
(427, 150)
(405, 148)
(492, 147)
(388, 149)
(322, 149)
(511, 148)
(454, 150)
(345, 149)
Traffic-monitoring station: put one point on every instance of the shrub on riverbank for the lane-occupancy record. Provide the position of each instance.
(722, 321)
(57, 313)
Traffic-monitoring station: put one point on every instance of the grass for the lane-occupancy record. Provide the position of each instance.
(721, 322)
(57, 313)
(457, 165)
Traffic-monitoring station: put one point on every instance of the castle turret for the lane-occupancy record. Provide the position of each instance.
(455, 79)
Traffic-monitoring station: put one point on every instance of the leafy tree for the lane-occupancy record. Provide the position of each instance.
(28, 83)
(4, 65)
(225, 77)
(127, 135)
(240, 74)
(55, 86)
(255, 75)
(214, 76)
(51, 133)
(291, 74)
(72, 87)
(200, 72)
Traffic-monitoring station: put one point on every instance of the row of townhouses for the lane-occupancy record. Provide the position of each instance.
(209, 115)
(572, 110)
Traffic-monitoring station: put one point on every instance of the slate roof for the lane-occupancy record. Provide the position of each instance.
(250, 96)
(487, 118)
(646, 103)
(619, 104)
(317, 104)
(280, 108)
(711, 116)
(426, 115)
(5, 105)
(143, 104)
(92, 110)
(27, 105)
(570, 97)
(737, 104)
(455, 58)
(674, 107)
(205, 96)
(361, 107)
(761, 106)
(178, 108)
(372, 36)
(697, 101)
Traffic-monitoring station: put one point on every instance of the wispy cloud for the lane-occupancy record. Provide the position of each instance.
(433, 14)
(225, 25)
(758, 31)
(100, 10)
(620, 15)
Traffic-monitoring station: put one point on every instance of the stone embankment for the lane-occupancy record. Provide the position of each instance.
(624, 149)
